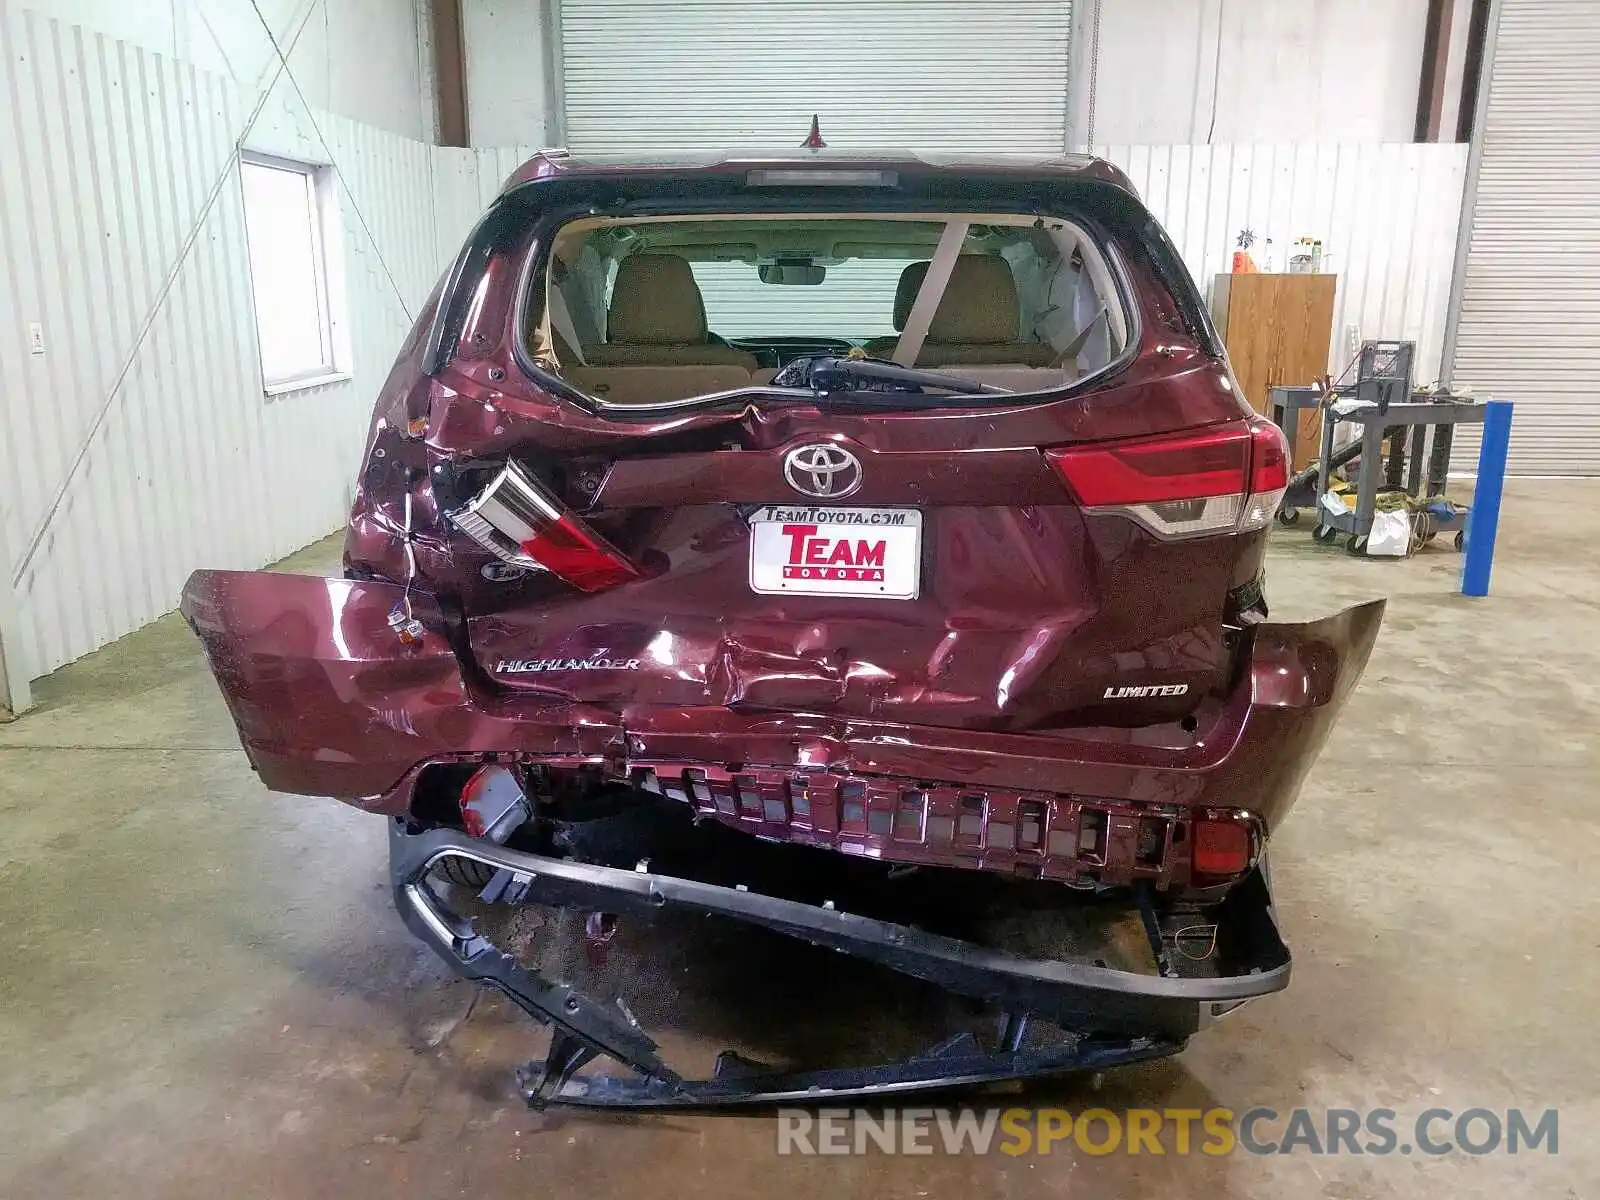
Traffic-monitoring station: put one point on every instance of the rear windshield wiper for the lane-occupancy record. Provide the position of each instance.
(850, 374)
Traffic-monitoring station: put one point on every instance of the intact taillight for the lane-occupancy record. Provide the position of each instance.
(1269, 474)
(1224, 478)
(1221, 848)
(520, 523)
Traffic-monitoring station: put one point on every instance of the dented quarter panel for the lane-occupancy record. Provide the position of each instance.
(329, 701)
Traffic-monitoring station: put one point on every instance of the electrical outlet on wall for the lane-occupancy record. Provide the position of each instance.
(36, 339)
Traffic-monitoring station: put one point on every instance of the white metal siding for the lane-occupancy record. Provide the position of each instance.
(919, 75)
(1529, 324)
(465, 183)
(1392, 246)
(108, 155)
(1172, 71)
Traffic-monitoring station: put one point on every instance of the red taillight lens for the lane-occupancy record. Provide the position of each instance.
(520, 523)
(1269, 474)
(1221, 848)
(1226, 477)
(580, 557)
(1189, 466)
(1269, 457)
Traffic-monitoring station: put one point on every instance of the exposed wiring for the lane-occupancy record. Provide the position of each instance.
(337, 173)
(1216, 71)
(401, 617)
(411, 557)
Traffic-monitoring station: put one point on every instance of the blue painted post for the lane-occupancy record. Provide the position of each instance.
(1483, 522)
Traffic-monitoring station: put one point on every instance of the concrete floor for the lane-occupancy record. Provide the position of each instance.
(206, 993)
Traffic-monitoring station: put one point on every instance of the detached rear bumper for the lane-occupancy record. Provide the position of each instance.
(1119, 1016)
(328, 701)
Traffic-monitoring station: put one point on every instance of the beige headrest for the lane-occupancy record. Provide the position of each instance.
(979, 305)
(656, 302)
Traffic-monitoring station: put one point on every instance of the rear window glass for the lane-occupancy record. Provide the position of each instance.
(663, 308)
(854, 300)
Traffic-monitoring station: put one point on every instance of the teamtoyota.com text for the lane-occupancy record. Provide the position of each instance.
(837, 516)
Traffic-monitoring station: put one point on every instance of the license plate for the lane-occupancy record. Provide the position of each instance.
(800, 551)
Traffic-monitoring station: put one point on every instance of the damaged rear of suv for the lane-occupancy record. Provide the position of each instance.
(745, 537)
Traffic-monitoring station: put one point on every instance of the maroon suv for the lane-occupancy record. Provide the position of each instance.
(900, 509)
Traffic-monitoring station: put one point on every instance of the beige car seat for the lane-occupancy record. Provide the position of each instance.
(657, 347)
(977, 322)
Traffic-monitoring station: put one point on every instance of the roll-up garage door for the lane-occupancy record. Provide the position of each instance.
(1529, 323)
(929, 76)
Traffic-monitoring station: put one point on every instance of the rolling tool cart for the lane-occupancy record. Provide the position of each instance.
(1389, 411)
(1287, 405)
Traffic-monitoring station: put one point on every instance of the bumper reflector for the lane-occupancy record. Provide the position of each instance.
(1221, 848)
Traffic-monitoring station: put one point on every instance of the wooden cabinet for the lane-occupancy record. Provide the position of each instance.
(1278, 330)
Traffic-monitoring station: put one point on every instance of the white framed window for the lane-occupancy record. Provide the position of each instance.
(296, 287)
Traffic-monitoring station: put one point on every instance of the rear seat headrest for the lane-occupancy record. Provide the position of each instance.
(656, 302)
(979, 305)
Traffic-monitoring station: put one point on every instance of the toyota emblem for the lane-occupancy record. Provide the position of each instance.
(822, 470)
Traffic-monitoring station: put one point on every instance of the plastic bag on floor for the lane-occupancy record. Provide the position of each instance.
(1391, 534)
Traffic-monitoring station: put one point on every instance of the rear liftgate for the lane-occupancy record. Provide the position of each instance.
(1115, 1016)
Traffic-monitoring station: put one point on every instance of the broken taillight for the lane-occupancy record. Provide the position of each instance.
(1224, 478)
(493, 804)
(520, 523)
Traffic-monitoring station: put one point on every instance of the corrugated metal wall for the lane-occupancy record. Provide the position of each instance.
(464, 184)
(121, 232)
(1387, 216)
(1529, 325)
